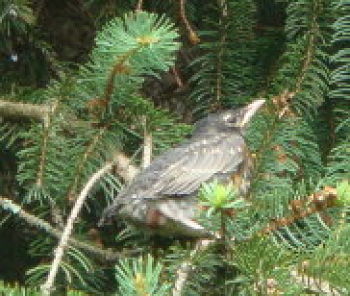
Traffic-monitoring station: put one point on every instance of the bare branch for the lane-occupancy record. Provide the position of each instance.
(147, 150)
(10, 109)
(147, 145)
(47, 287)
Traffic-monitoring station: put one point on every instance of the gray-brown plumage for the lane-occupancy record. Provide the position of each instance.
(163, 197)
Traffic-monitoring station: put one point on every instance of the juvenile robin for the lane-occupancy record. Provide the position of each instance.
(163, 197)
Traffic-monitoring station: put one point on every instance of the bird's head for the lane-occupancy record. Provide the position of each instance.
(234, 119)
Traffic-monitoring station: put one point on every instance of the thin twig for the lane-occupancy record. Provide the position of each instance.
(82, 163)
(139, 6)
(147, 145)
(220, 57)
(177, 77)
(44, 144)
(47, 287)
(119, 68)
(192, 35)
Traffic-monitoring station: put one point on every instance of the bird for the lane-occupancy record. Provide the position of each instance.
(163, 198)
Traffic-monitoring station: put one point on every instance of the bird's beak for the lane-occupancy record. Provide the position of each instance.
(250, 110)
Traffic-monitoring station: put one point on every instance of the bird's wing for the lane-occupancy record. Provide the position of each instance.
(198, 162)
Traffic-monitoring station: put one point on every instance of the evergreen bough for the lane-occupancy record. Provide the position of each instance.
(290, 236)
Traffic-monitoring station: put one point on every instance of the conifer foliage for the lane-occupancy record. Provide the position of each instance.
(72, 135)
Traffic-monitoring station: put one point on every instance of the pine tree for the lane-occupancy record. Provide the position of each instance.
(77, 125)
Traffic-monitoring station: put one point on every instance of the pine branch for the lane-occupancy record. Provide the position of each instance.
(310, 81)
(82, 163)
(120, 68)
(316, 286)
(316, 203)
(14, 110)
(10, 206)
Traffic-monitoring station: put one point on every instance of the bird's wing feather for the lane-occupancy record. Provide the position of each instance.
(196, 163)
